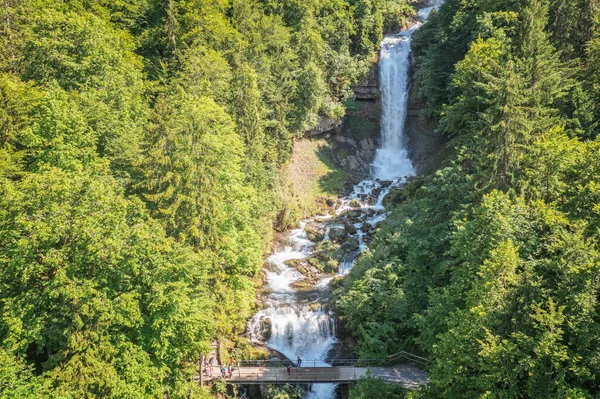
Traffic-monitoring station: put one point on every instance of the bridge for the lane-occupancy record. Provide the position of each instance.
(335, 371)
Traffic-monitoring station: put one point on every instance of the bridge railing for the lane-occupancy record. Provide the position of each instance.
(388, 361)
(295, 375)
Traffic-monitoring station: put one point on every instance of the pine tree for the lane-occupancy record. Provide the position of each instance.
(545, 76)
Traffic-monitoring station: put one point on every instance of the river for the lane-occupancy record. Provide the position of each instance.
(300, 322)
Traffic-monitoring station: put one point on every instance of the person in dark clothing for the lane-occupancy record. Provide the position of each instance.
(289, 369)
(299, 362)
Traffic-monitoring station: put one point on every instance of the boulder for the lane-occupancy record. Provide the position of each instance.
(366, 227)
(324, 125)
(354, 214)
(350, 228)
(295, 263)
(354, 203)
(314, 232)
(337, 233)
(267, 329)
(350, 245)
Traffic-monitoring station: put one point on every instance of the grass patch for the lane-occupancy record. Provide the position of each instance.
(309, 180)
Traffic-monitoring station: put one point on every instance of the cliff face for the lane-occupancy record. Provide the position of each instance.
(358, 136)
(354, 139)
(425, 145)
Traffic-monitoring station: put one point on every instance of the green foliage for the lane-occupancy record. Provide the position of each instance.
(91, 285)
(368, 387)
(491, 266)
(285, 392)
(141, 148)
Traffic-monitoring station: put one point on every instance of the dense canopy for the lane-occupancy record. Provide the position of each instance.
(141, 144)
(491, 265)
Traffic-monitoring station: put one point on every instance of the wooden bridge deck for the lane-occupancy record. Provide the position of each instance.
(409, 376)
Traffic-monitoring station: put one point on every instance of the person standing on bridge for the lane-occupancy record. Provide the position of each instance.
(289, 369)
(299, 362)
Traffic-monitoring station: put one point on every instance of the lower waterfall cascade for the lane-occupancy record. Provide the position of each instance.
(301, 323)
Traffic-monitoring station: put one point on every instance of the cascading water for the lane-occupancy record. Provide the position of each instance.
(299, 323)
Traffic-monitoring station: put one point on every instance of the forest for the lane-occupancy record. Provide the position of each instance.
(141, 150)
(490, 266)
(141, 143)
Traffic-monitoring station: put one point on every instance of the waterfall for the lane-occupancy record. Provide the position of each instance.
(391, 160)
(299, 323)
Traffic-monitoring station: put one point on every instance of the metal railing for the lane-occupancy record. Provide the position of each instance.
(388, 361)
(311, 374)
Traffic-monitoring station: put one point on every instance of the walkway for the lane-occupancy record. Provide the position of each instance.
(398, 368)
(409, 376)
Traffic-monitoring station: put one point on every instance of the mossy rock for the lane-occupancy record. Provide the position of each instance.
(350, 227)
(314, 307)
(366, 227)
(317, 263)
(302, 284)
(337, 233)
(295, 263)
(350, 245)
(332, 266)
(314, 232)
(354, 203)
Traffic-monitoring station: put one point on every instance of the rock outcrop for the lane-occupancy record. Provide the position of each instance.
(325, 125)
(314, 232)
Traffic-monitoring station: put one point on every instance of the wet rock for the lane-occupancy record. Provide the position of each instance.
(295, 263)
(354, 214)
(354, 203)
(371, 212)
(350, 245)
(337, 233)
(314, 307)
(386, 183)
(371, 201)
(266, 329)
(350, 228)
(302, 284)
(314, 232)
(366, 228)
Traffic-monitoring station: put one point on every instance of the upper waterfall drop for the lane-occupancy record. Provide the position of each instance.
(391, 160)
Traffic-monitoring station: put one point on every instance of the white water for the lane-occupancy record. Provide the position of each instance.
(301, 323)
